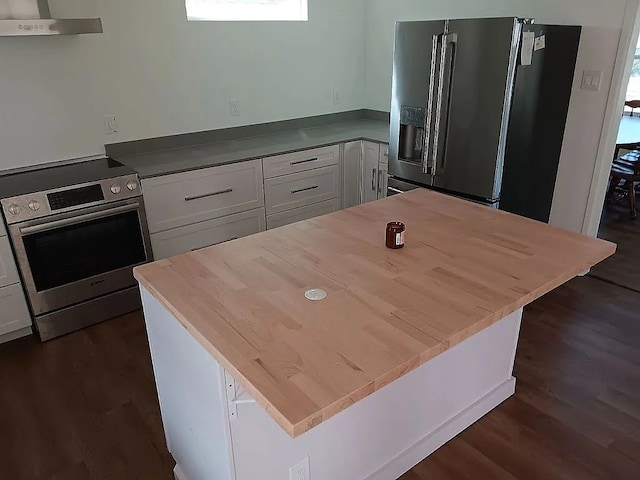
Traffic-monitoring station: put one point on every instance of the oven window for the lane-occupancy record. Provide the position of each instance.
(65, 255)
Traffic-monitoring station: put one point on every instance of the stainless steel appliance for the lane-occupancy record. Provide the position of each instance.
(33, 18)
(76, 244)
(479, 108)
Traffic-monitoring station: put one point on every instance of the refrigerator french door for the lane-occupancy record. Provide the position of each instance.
(452, 89)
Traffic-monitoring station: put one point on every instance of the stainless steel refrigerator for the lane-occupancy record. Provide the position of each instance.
(479, 108)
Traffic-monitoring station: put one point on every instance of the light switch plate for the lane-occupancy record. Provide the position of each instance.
(591, 80)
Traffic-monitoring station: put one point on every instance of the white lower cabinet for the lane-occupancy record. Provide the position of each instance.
(303, 213)
(14, 313)
(301, 189)
(352, 174)
(8, 270)
(198, 209)
(383, 169)
(205, 234)
(182, 199)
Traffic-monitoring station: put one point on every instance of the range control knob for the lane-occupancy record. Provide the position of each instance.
(34, 205)
(115, 189)
(131, 185)
(14, 209)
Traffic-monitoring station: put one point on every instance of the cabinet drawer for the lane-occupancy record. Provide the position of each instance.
(302, 213)
(205, 234)
(13, 305)
(185, 198)
(301, 161)
(8, 271)
(301, 189)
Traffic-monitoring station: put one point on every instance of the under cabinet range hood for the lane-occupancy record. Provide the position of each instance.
(33, 18)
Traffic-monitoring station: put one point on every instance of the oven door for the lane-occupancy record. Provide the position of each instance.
(70, 258)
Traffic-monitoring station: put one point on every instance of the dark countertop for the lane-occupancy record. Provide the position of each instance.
(183, 159)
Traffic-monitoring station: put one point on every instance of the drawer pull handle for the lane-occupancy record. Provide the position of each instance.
(304, 161)
(212, 194)
(304, 189)
(373, 180)
(217, 243)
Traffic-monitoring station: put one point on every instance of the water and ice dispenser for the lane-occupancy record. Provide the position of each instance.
(411, 143)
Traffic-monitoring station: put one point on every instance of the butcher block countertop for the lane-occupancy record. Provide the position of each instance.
(464, 267)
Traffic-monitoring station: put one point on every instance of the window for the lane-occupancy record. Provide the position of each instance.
(633, 90)
(247, 10)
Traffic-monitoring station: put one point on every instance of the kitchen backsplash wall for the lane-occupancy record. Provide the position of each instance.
(161, 75)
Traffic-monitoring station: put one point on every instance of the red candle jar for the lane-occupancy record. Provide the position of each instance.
(395, 235)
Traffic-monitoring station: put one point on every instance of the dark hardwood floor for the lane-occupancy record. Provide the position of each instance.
(84, 406)
(624, 267)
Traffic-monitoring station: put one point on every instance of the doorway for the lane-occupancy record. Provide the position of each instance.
(619, 221)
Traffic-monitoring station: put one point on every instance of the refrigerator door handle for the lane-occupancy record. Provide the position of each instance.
(448, 39)
(428, 119)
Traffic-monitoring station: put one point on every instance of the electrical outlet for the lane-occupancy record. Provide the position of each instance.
(234, 107)
(110, 124)
(337, 97)
(300, 471)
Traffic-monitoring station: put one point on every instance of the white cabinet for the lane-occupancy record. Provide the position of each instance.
(8, 270)
(352, 174)
(14, 314)
(15, 319)
(371, 172)
(302, 213)
(301, 189)
(383, 171)
(186, 198)
(205, 234)
(301, 161)
(197, 209)
(375, 171)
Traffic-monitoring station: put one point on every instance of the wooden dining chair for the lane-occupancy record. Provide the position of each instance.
(632, 104)
(625, 169)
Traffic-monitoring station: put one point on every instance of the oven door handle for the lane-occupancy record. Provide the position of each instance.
(67, 222)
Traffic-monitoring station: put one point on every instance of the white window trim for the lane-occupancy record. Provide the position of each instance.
(246, 11)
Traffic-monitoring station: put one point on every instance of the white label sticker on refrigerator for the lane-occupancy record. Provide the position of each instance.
(540, 43)
(528, 39)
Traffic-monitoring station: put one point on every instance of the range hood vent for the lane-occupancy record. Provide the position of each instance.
(19, 18)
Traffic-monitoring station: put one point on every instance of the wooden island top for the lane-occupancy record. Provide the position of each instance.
(464, 267)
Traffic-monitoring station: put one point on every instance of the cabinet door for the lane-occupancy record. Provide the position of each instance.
(8, 271)
(15, 314)
(383, 173)
(370, 172)
(352, 174)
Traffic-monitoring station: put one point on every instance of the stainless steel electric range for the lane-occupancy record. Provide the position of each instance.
(77, 232)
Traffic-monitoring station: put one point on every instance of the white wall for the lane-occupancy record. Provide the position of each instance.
(162, 75)
(602, 22)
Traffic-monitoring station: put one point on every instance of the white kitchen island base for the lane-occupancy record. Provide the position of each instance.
(216, 432)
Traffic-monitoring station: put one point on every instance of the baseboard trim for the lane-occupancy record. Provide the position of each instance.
(441, 435)
(9, 337)
(177, 473)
